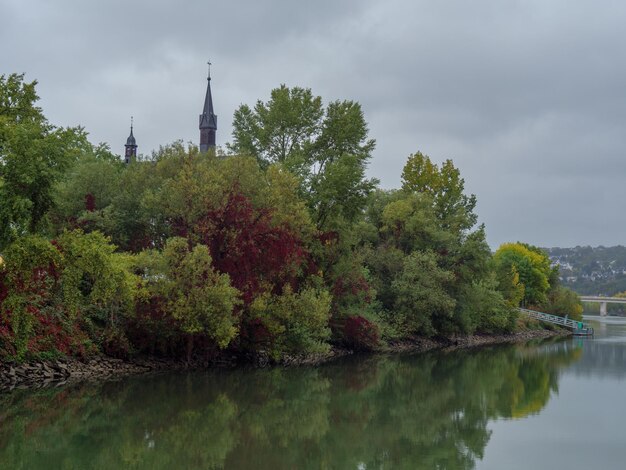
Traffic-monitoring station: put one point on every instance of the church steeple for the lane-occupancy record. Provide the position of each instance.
(131, 145)
(208, 119)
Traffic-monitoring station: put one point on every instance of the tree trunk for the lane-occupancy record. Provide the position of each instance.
(189, 348)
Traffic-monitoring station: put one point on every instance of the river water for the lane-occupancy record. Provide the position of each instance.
(550, 405)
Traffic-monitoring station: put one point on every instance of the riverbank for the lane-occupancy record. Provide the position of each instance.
(470, 341)
(38, 374)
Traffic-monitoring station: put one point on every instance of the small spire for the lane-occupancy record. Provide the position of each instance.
(131, 138)
(208, 119)
(130, 153)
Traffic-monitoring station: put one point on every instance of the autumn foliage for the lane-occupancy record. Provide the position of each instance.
(360, 333)
(34, 319)
(245, 245)
(282, 247)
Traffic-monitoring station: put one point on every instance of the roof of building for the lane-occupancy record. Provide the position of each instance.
(131, 137)
(208, 119)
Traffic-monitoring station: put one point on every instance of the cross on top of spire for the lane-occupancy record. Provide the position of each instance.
(209, 64)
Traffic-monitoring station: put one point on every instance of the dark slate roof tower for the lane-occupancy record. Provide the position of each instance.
(208, 119)
(131, 145)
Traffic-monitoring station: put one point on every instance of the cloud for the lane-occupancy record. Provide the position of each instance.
(524, 96)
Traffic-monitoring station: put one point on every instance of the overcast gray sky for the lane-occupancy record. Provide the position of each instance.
(526, 96)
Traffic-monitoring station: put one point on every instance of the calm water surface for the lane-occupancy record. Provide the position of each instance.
(550, 405)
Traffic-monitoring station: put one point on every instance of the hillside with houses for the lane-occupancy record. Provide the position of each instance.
(592, 270)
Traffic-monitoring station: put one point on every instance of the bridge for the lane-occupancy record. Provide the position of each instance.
(603, 301)
(578, 328)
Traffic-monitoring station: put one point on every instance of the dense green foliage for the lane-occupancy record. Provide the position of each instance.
(326, 148)
(65, 297)
(33, 157)
(199, 298)
(525, 273)
(431, 265)
(281, 248)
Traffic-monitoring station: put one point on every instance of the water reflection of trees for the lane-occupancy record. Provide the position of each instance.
(426, 411)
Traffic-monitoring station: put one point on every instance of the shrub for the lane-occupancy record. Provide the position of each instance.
(422, 301)
(486, 308)
(200, 300)
(360, 334)
(563, 301)
(296, 322)
(54, 292)
(31, 283)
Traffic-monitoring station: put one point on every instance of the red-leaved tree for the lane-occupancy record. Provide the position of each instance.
(244, 243)
(360, 333)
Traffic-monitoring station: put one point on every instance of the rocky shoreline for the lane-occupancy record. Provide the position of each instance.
(38, 374)
(470, 341)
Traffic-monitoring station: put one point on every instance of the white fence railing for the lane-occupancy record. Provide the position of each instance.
(557, 320)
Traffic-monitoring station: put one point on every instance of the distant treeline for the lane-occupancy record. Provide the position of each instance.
(592, 270)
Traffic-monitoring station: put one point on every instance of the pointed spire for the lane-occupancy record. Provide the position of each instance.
(131, 137)
(208, 119)
(131, 145)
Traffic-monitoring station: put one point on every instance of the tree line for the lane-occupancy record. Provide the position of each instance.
(279, 245)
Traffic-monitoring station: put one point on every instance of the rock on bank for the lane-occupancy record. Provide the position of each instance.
(36, 374)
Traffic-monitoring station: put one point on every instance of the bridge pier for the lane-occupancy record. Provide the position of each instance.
(603, 301)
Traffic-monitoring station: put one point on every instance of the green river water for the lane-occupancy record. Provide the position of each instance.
(551, 405)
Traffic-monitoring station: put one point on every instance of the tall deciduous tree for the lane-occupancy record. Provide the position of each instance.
(432, 215)
(327, 148)
(532, 268)
(422, 299)
(453, 207)
(33, 156)
(283, 129)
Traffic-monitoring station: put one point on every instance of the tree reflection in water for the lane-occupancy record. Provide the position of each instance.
(414, 411)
